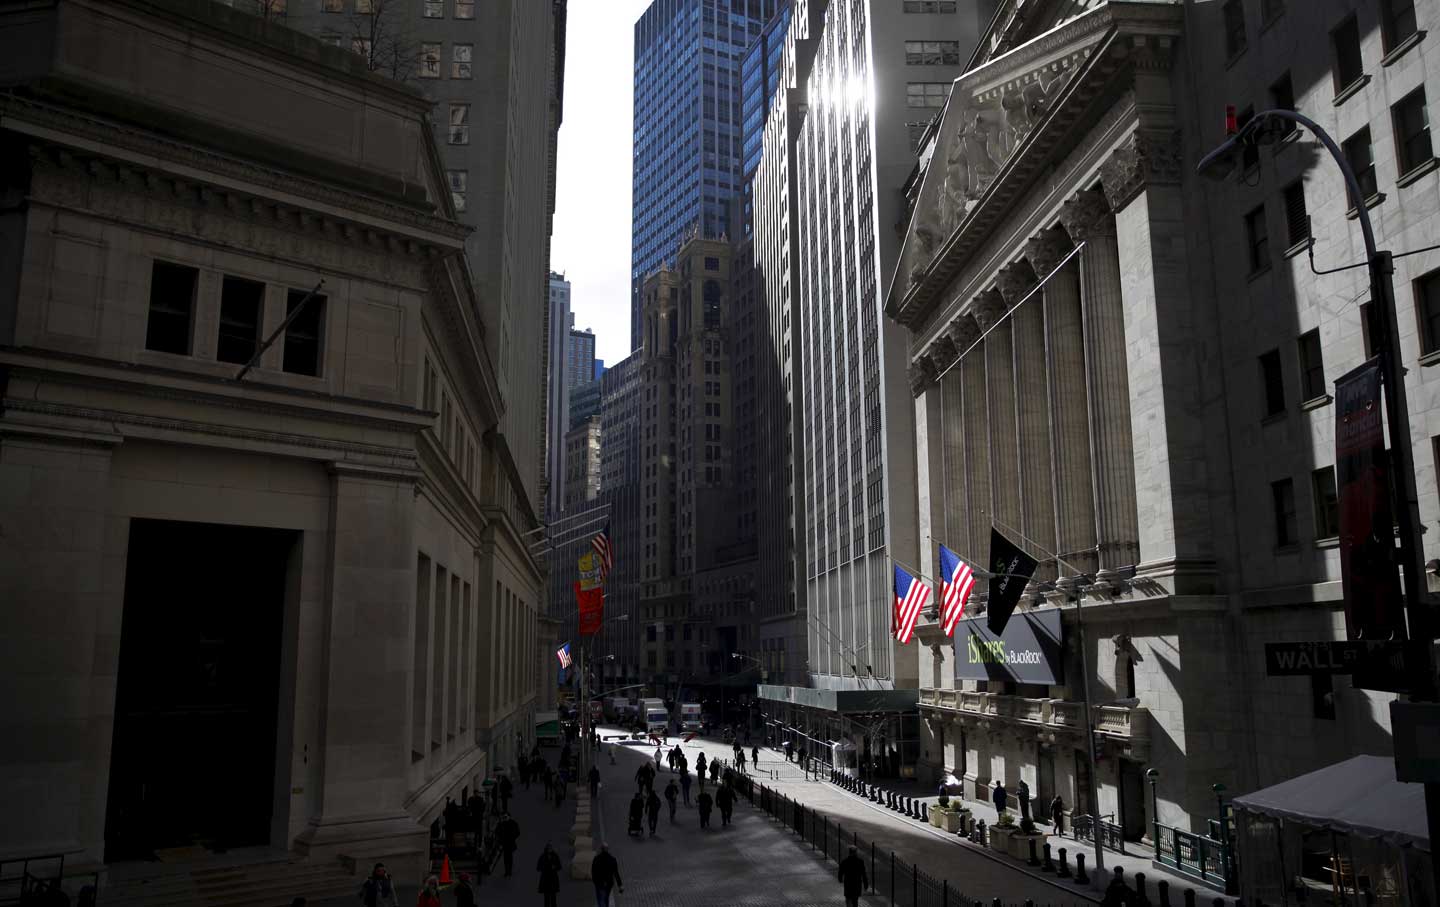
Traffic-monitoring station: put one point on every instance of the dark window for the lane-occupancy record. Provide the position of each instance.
(1345, 40)
(1412, 131)
(172, 308)
(1234, 12)
(1322, 696)
(1282, 494)
(1427, 304)
(1250, 151)
(650, 633)
(1362, 160)
(1327, 506)
(1297, 221)
(1397, 21)
(240, 305)
(1282, 97)
(1258, 239)
(1272, 382)
(1312, 367)
(1370, 331)
(712, 264)
(304, 336)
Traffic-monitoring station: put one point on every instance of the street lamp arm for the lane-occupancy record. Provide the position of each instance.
(1351, 183)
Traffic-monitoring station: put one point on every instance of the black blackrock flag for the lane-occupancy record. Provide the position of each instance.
(1013, 569)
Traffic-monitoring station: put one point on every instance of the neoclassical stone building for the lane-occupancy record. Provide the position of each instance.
(1114, 361)
(280, 601)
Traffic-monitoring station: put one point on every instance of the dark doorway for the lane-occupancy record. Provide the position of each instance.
(193, 759)
(1045, 781)
(1132, 800)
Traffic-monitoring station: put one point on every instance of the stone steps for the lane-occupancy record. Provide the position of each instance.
(257, 885)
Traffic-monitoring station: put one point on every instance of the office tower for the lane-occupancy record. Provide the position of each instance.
(687, 136)
(557, 380)
(621, 468)
(580, 357)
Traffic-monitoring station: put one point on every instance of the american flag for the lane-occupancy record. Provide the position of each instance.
(956, 581)
(563, 653)
(911, 596)
(601, 544)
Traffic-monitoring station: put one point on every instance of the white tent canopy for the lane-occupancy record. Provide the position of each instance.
(1359, 796)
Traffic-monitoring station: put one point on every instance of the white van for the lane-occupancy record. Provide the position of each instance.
(690, 716)
(656, 716)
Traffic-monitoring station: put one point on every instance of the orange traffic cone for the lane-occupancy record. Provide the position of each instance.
(445, 871)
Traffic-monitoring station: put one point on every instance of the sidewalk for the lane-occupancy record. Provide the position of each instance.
(848, 808)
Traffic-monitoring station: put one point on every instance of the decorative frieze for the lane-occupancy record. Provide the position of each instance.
(1145, 158)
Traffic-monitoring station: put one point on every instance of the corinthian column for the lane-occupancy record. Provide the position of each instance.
(990, 311)
(977, 452)
(962, 332)
(1069, 409)
(1032, 412)
(1088, 219)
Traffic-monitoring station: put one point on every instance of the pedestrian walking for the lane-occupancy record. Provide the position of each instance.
(705, 803)
(652, 810)
(507, 832)
(605, 873)
(788, 749)
(755, 757)
(740, 761)
(700, 765)
(560, 784)
(379, 890)
(506, 789)
(657, 757)
(594, 781)
(725, 799)
(429, 894)
(1022, 793)
(637, 814)
(1057, 814)
(525, 773)
(464, 894)
(549, 868)
(685, 786)
(997, 796)
(854, 878)
(714, 771)
(671, 792)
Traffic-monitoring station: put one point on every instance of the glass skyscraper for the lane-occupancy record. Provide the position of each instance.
(687, 125)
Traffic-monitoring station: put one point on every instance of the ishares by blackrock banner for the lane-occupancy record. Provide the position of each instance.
(1028, 651)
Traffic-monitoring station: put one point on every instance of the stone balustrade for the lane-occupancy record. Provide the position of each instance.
(1124, 725)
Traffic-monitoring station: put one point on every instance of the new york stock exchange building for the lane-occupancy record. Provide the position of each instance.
(1130, 369)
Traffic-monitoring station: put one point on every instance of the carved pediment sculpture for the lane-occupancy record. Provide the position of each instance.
(978, 135)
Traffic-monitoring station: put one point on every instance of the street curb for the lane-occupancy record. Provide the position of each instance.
(972, 848)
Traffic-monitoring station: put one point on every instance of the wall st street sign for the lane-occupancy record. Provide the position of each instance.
(1376, 665)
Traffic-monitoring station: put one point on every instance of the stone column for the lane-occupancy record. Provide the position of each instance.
(1032, 417)
(976, 441)
(963, 332)
(1088, 219)
(1069, 411)
(990, 311)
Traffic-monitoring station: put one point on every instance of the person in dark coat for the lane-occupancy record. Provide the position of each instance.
(997, 796)
(700, 765)
(652, 810)
(549, 868)
(637, 812)
(507, 833)
(594, 781)
(525, 773)
(854, 878)
(1022, 793)
(725, 799)
(605, 873)
(685, 785)
(714, 771)
(754, 756)
(378, 890)
(672, 791)
(642, 779)
(1057, 814)
(506, 789)
(705, 802)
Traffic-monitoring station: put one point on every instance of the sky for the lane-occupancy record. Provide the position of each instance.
(591, 239)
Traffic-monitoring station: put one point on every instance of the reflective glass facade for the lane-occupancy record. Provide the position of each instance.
(687, 137)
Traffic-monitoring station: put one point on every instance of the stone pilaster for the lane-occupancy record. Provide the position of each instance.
(1087, 218)
(962, 332)
(1037, 490)
(1068, 405)
(990, 308)
(977, 453)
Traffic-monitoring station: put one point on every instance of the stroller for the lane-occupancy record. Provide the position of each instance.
(637, 814)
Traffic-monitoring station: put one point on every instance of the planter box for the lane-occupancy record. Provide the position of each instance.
(936, 815)
(953, 820)
(1020, 845)
(1000, 837)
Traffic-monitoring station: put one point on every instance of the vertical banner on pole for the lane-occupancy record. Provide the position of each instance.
(1013, 569)
(1368, 568)
(592, 608)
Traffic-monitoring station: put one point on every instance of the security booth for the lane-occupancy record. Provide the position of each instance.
(1348, 834)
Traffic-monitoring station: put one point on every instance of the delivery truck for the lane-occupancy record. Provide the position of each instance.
(690, 717)
(655, 716)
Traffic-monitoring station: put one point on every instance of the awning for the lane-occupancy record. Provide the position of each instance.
(1359, 796)
(843, 701)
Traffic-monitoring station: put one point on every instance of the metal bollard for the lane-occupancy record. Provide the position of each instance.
(924, 812)
(1033, 861)
(1049, 864)
(980, 832)
(1141, 897)
(1080, 874)
(1064, 870)
(1163, 888)
(996, 903)
(1189, 897)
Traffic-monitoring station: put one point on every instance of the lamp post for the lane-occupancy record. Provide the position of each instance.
(1153, 774)
(1419, 660)
(584, 767)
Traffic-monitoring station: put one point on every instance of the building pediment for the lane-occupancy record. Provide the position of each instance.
(1004, 123)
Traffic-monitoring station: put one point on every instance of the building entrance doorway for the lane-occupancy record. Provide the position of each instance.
(1132, 800)
(193, 755)
(1045, 781)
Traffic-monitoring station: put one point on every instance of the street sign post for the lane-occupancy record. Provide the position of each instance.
(1376, 665)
